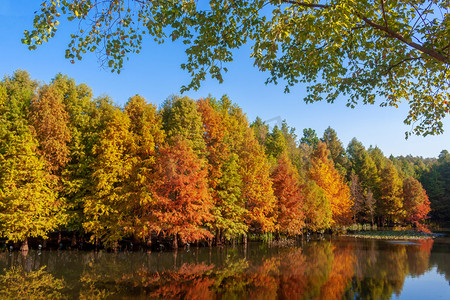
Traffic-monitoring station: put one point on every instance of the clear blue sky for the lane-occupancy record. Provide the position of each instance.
(155, 73)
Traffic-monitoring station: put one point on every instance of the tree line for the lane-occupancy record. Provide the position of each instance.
(189, 170)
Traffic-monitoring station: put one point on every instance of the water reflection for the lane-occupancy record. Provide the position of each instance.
(341, 268)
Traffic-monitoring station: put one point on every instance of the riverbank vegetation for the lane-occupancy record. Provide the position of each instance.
(189, 171)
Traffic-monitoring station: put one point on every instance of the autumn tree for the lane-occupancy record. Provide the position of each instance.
(317, 207)
(147, 137)
(415, 201)
(76, 174)
(29, 206)
(183, 203)
(50, 121)
(104, 207)
(391, 52)
(257, 185)
(390, 205)
(328, 178)
(289, 206)
(224, 180)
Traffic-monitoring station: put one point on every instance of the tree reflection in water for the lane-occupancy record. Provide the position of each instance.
(341, 268)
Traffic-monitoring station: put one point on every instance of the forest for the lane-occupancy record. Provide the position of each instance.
(190, 171)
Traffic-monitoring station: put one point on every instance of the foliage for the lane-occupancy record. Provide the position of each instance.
(286, 188)
(361, 50)
(328, 178)
(16, 283)
(337, 151)
(390, 205)
(415, 201)
(183, 203)
(29, 206)
(318, 215)
(104, 208)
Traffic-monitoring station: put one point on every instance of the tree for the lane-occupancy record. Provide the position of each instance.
(183, 203)
(104, 208)
(286, 188)
(437, 184)
(309, 138)
(318, 215)
(257, 185)
(415, 201)
(390, 206)
(275, 143)
(181, 118)
(147, 138)
(328, 178)
(261, 130)
(337, 151)
(29, 206)
(360, 50)
(225, 182)
(364, 166)
(50, 120)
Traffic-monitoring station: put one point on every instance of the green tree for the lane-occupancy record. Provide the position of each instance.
(364, 166)
(337, 151)
(261, 130)
(275, 143)
(362, 50)
(318, 214)
(309, 138)
(437, 184)
(81, 110)
(181, 118)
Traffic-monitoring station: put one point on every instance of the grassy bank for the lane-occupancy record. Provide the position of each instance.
(391, 235)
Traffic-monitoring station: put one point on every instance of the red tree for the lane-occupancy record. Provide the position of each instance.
(286, 187)
(183, 204)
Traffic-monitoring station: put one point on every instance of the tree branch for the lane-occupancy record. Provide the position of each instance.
(312, 5)
(430, 52)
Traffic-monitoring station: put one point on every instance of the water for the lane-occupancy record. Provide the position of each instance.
(340, 268)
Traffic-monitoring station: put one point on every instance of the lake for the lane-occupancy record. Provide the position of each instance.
(332, 268)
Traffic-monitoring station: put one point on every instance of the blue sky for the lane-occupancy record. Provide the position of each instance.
(155, 73)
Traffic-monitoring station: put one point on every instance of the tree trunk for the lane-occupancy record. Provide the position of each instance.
(59, 237)
(74, 240)
(24, 246)
(175, 242)
(149, 243)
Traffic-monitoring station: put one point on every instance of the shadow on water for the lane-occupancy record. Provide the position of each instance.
(341, 268)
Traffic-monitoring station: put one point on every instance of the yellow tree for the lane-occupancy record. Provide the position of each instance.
(147, 137)
(390, 206)
(322, 171)
(104, 208)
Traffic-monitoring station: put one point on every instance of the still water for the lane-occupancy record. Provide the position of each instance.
(333, 268)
